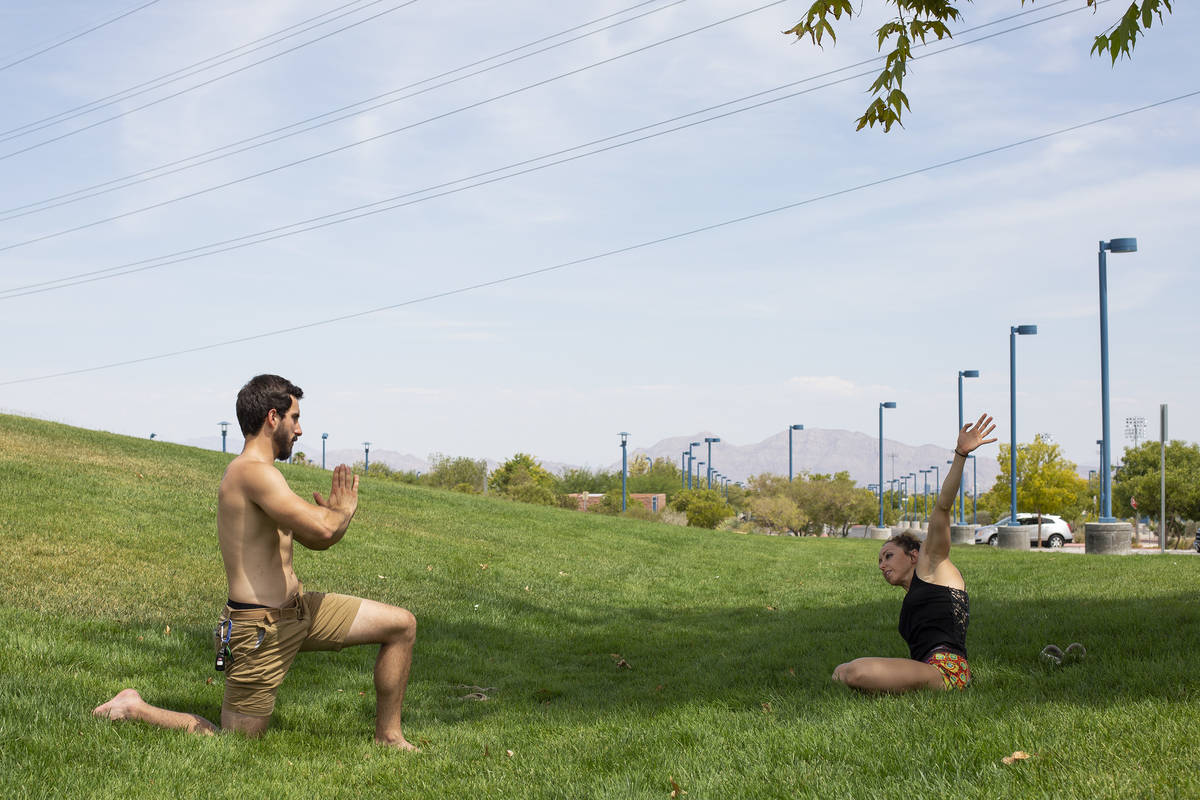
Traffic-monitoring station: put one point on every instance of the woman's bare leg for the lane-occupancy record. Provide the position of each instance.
(888, 675)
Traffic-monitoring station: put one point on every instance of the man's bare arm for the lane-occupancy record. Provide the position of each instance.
(937, 541)
(317, 527)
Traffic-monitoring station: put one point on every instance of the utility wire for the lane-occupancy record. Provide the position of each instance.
(79, 35)
(385, 134)
(606, 254)
(380, 206)
(136, 178)
(208, 82)
(198, 192)
(162, 80)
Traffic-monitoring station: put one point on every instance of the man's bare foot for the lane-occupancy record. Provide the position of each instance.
(398, 742)
(122, 706)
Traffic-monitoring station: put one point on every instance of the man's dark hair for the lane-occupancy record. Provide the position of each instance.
(260, 394)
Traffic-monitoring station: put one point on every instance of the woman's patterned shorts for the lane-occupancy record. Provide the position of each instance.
(954, 668)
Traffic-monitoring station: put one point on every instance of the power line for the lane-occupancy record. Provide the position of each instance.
(605, 254)
(385, 134)
(208, 82)
(380, 206)
(79, 35)
(164, 170)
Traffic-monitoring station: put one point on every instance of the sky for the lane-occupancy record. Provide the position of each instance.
(639, 289)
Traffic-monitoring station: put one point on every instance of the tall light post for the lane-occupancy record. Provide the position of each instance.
(699, 464)
(683, 470)
(366, 458)
(790, 429)
(624, 464)
(691, 460)
(962, 485)
(1123, 245)
(882, 406)
(709, 440)
(913, 475)
(937, 479)
(224, 432)
(962, 373)
(925, 493)
(1100, 443)
(1013, 333)
(324, 437)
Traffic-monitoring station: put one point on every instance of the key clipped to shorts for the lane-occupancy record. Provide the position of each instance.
(224, 654)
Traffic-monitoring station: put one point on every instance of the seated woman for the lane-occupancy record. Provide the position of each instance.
(933, 617)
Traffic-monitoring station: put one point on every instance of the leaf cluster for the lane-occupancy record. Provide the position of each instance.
(918, 20)
(1139, 478)
(810, 503)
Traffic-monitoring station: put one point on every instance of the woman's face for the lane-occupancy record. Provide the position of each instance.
(896, 565)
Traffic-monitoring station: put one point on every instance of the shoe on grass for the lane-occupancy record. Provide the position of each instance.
(1051, 655)
(1076, 652)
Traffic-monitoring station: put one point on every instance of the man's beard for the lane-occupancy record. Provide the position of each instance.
(283, 441)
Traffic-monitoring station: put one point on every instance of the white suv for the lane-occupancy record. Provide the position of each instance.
(1055, 530)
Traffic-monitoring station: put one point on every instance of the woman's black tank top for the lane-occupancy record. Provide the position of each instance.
(934, 617)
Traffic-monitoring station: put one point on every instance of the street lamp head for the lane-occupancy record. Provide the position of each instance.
(624, 437)
(969, 373)
(797, 427)
(324, 435)
(1124, 245)
(693, 444)
(711, 439)
(1025, 330)
(224, 426)
(888, 404)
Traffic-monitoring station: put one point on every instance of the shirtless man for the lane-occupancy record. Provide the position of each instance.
(269, 617)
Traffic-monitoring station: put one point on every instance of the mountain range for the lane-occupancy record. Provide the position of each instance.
(816, 450)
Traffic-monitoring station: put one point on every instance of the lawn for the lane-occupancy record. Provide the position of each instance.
(621, 659)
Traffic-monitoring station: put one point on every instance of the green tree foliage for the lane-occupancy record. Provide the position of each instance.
(1139, 478)
(820, 502)
(917, 21)
(379, 469)
(1047, 483)
(706, 508)
(582, 479)
(523, 479)
(660, 477)
(451, 473)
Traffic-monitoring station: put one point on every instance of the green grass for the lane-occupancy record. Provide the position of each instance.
(731, 638)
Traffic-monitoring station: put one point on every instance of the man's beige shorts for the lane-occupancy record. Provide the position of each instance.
(265, 640)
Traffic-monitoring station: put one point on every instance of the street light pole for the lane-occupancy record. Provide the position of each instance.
(324, 436)
(691, 462)
(925, 493)
(710, 440)
(224, 432)
(882, 406)
(699, 464)
(962, 373)
(1123, 245)
(366, 458)
(1013, 333)
(624, 465)
(683, 470)
(790, 429)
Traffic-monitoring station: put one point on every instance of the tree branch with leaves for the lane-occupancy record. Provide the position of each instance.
(920, 20)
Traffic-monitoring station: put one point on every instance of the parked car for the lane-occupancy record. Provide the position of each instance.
(1055, 530)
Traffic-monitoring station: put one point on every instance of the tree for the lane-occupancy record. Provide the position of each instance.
(778, 513)
(451, 473)
(1047, 483)
(1138, 478)
(918, 20)
(523, 479)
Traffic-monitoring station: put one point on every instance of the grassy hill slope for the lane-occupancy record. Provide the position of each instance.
(112, 578)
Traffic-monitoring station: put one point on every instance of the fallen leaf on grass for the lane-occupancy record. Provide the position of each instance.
(659, 688)
(527, 588)
(621, 662)
(429, 568)
(1019, 755)
(208, 681)
(167, 631)
(560, 572)
(766, 707)
(791, 671)
(508, 753)
(675, 790)
(382, 577)
(483, 566)
(772, 608)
